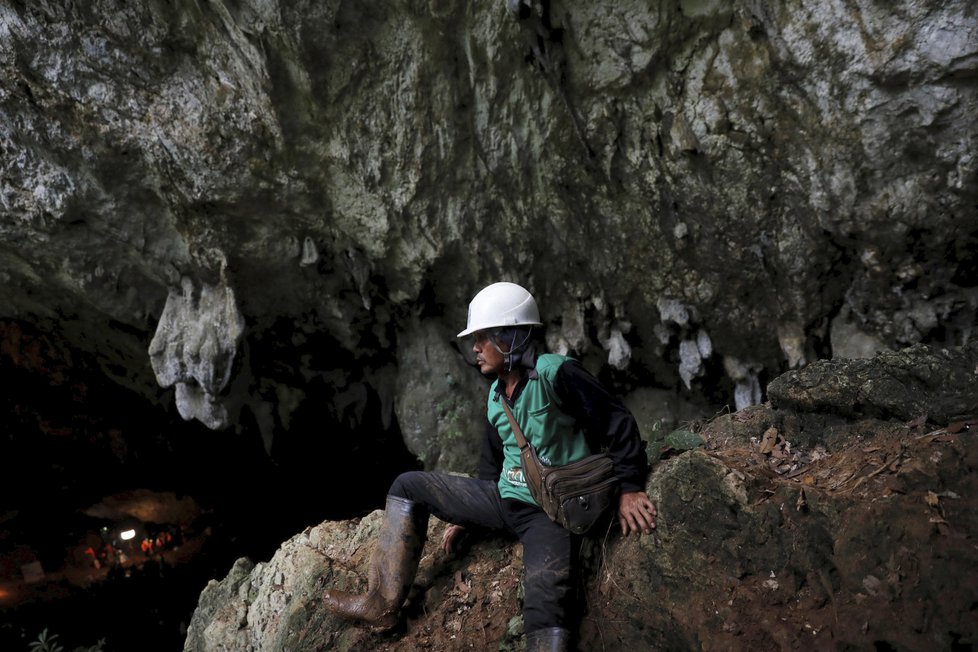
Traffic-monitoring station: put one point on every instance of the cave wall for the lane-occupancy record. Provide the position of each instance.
(700, 194)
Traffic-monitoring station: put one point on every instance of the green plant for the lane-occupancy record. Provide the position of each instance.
(46, 643)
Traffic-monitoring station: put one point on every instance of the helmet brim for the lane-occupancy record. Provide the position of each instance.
(483, 327)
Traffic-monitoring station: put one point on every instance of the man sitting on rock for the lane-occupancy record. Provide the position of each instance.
(565, 414)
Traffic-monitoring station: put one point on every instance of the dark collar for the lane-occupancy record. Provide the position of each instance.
(531, 374)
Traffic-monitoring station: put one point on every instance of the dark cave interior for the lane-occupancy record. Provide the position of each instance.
(71, 438)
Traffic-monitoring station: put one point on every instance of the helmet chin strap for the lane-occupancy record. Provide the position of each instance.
(513, 348)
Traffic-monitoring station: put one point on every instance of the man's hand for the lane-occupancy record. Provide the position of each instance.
(453, 534)
(636, 512)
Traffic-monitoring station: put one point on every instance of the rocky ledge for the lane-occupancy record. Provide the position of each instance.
(797, 524)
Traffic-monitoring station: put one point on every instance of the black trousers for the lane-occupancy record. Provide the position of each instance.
(549, 550)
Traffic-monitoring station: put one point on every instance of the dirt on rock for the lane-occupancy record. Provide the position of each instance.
(865, 541)
(874, 532)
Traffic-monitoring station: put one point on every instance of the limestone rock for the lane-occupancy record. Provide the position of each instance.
(941, 383)
(440, 400)
(737, 168)
(196, 342)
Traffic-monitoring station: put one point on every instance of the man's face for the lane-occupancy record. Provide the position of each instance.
(487, 351)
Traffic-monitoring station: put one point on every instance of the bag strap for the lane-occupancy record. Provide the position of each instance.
(532, 467)
(520, 439)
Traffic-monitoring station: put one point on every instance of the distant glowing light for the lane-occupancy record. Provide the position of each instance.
(125, 535)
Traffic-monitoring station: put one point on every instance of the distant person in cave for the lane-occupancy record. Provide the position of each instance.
(567, 414)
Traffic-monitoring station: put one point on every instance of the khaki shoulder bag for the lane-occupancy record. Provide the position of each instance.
(575, 495)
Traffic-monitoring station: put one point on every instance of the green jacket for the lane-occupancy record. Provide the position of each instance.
(554, 433)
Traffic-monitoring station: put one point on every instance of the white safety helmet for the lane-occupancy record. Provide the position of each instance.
(500, 305)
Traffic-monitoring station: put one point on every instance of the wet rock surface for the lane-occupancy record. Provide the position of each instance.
(784, 530)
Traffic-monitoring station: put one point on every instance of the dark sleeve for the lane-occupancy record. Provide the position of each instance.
(491, 461)
(607, 423)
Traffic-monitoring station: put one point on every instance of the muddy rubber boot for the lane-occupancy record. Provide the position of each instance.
(392, 567)
(548, 639)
